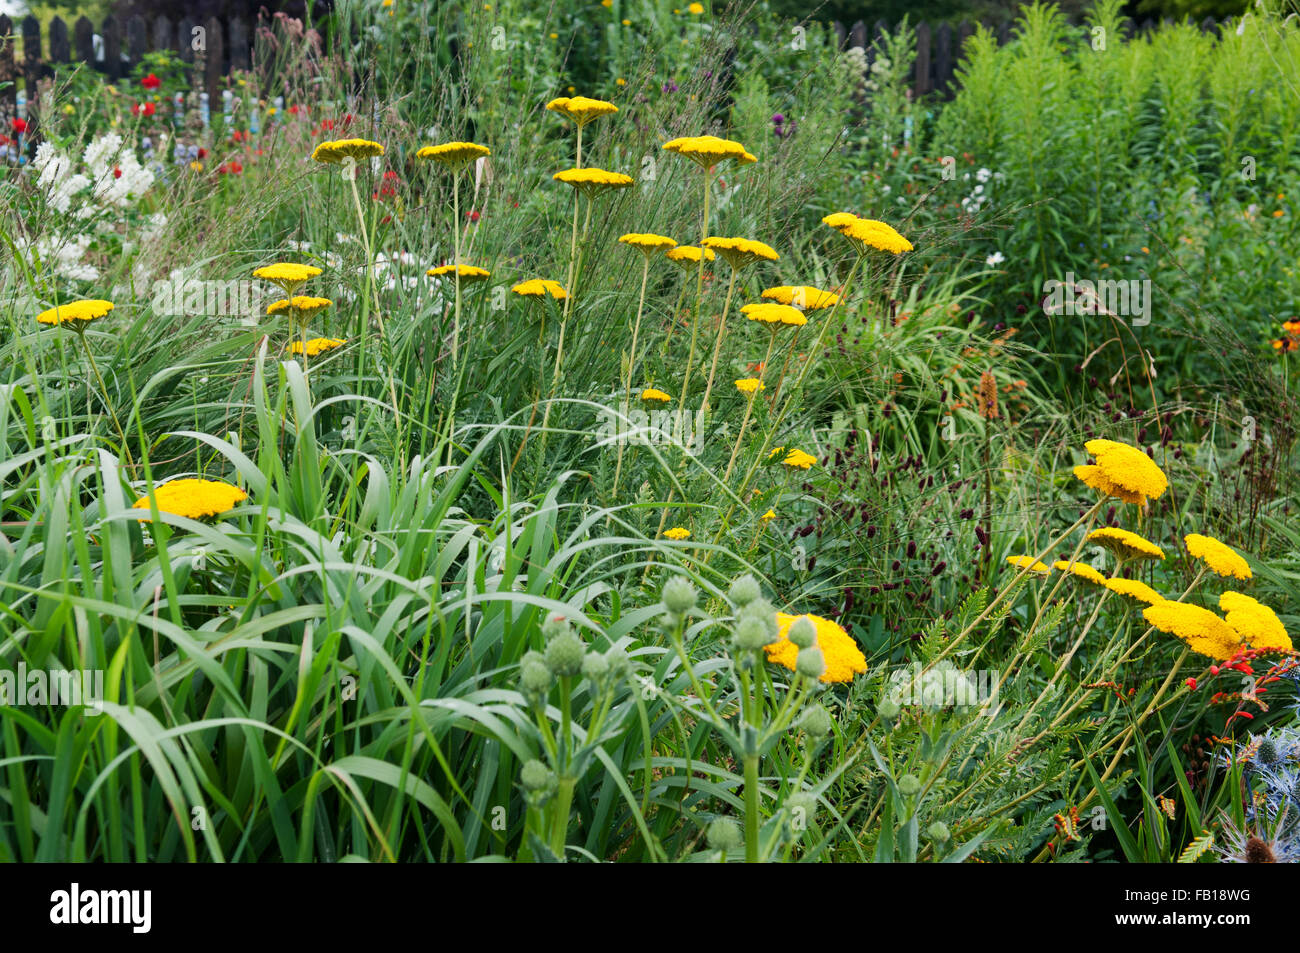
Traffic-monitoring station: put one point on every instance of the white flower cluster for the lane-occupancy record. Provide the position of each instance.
(111, 173)
(979, 195)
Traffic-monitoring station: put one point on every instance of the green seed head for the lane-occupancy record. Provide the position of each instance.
(803, 632)
(619, 663)
(1267, 752)
(909, 785)
(553, 626)
(724, 834)
(534, 677)
(744, 590)
(565, 654)
(679, 595)
(938, 832)
(536, 777)
(595, 667)
(751, 634)
(888, 709)
(816, 721)
(810, 663)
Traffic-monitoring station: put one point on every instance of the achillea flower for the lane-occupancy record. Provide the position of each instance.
(864, 233)
(591, 181)
(195, 499)
(467, 273)
(841, 653)
(769, 515)
(1219, 557)
(581, 109)
(1021, 562)
(708, 151)
(678, 533)
(1254, 622)
(770, 312)
(749, 385)
(687, 255)
(1133, 589)
(651, 394)
(804, 297)
(299, 307)
(290, 276)
(1123, 472)
(1202, 630)
(316, 346)
(1126, 545)
(1082, 570)
(336, 151)
(647, 242)
(794, 458)
(76, 314)
(539, 287)
(454, 155)
(739, 252)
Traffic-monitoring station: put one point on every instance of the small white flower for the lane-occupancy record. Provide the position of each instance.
(994, 259)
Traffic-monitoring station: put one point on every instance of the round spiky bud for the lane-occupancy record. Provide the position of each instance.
(803, 632)
(751, 634)
(679, 595)
(909, 785)
(810, 663)
(938, 832)
(620, 666)
(765, 612)
(553, 626)
(536, 776)
(816, 721)
(595, 668)
(744, 590)
(724, 834)
(534, 677)
(1267, 752)
(888, 709)
(803, 808)
(564, 655)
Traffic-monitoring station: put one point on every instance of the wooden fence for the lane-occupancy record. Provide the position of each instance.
(216, 48)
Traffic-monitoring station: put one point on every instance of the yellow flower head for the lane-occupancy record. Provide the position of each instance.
(687, 255)
(466, 273)
(708, 151)
(335, 151)
(287, 274)
(695, 9)
(76, 314)
(749, 385)
(454, 155)
(768, 516)
(195, 499)
(651, 394)
(678, 532)
(538, 287)
(769, 312)
(1133, 589)
(739, 252)
(1082, 570)
(843, 657)
(1022, 562)
(865, 233)
(1123, 472)
(590, 181)
(1254, 622)
(581, 109)
(803, 297)
(1126, 545)
(796, 459)
(316, 346)
(300, 307)
(1220, 557)
(647, 243)
(1202, 630)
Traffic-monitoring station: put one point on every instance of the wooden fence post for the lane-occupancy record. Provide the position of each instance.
(33, 68)
(922, 84)
(215, 62)
(8, 74)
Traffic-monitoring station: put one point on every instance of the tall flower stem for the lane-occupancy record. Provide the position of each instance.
(126, 451)
(717, 344)
(372, 292)
(780, 380)
(699, 291)
(456, 369)
(631, 364)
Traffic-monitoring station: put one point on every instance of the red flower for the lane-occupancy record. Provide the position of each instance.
(327, 125)
(233, 167)
(117, 172)
(1191, 683)
(203, 153)
(19, 125)
(238, 136)
(151, 82)
(147, 108)
(472, 216)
